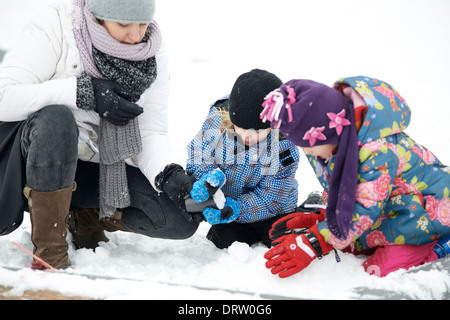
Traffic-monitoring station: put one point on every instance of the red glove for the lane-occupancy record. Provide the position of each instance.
(296, 252)
(297, 220)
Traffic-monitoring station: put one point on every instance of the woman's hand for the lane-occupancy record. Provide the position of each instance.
(112, 104)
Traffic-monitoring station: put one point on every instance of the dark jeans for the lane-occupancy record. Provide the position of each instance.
(223, 235)
(151, 213)
(50, 149)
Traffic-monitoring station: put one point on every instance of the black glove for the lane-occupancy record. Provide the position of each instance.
(174, 182)
(113, 104)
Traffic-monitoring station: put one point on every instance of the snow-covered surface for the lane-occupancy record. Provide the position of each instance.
(405, 42)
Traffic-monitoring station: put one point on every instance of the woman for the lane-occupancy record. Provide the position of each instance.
(258, 166)
(87, 84)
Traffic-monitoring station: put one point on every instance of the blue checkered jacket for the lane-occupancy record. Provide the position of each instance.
(261, 178)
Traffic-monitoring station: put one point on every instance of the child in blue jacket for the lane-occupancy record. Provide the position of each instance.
(387, 195)
(251, 164)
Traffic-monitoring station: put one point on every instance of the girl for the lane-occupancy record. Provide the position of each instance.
(387, 194)
(258, 165)
(85, 93)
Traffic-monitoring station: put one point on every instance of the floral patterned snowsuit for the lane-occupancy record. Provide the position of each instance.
(403, 190)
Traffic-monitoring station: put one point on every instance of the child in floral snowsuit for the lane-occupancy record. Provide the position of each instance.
(391, 195)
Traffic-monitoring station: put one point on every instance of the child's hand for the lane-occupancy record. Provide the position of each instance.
(207, 185)
(226, 215)
(296, 252)
(295, 223)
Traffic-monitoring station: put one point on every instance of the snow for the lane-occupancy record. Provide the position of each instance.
(405, 42)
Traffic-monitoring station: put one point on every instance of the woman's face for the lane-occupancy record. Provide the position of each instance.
(324, 151)
(251, 136)
(127, 33)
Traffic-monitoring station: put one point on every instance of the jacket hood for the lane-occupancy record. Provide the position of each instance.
(387, 113)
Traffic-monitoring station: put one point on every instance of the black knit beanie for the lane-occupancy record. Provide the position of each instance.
(247, 97)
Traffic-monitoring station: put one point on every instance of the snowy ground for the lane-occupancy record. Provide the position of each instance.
(405, 42)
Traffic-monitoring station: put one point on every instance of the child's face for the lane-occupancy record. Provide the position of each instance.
(252, 136)
(324, 151)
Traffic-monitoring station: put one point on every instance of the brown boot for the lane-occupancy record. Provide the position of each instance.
(48, 213)
(87, 230)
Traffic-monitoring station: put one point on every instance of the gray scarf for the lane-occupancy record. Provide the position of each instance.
(132, 65)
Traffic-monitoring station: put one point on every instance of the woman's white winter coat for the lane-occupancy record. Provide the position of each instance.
(41, 70)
